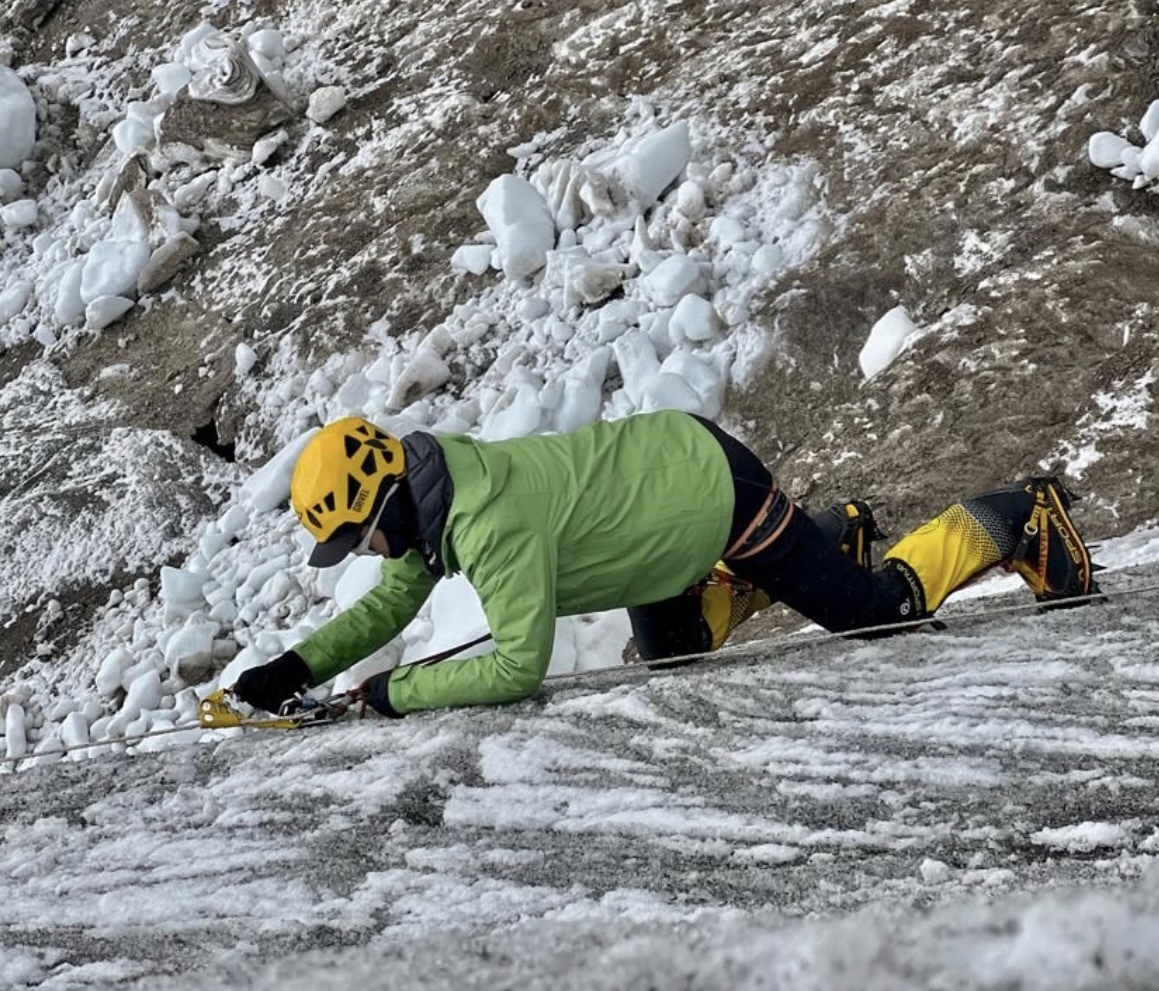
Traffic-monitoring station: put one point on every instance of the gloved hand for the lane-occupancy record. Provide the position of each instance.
(375, 692)
(268, 686)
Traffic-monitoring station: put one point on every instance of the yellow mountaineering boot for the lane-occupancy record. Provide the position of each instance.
(1051, 556)
(727, 601)
(1025, 527)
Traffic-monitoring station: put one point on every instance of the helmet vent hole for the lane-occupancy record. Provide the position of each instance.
(353, 487)
(352, 445)
(330, 501)
(369, 466)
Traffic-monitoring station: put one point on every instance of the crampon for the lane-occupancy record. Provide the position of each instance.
(221, 711)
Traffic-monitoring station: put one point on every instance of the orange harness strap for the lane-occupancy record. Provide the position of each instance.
(739, 551)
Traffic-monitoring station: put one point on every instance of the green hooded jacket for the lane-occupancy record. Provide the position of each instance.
(614, 515)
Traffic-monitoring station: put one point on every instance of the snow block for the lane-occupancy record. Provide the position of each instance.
(1105, 149)
(11, 185)
(105, 310)
(17, 120)
(325, 103)
(885, 342)
(22, 213)
(674, 277)
(519, 218)
(694, 319)
(656, 163)
(189, 652)
(111, 269)
(269, 486)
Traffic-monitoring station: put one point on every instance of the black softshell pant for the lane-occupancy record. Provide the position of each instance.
(802, 567)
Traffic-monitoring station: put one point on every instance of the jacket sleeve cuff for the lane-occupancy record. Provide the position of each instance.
(376, 691)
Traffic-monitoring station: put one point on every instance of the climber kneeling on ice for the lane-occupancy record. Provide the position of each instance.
(663, 513)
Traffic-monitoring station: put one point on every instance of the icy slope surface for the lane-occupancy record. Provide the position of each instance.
(1004, 755)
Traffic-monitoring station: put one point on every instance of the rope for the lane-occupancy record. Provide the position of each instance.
(242, 724)
(793, 641)
(111, 742)
(644, 670)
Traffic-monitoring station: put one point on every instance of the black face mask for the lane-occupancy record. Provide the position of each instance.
(396, 523)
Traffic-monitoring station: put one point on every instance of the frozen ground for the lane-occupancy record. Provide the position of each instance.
(672, 828)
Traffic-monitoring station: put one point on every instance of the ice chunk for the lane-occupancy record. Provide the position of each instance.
(727, 231)
(265, 147)
(934, 871)
(702, 374)
(656, 163)
(582, 394)
(13, 298)
(272, 188)
(17, 120)
(132, 135)
(269, 486)
(636, 357)
(15, 732)
(171, 78)
(1149, 122)
(111, 269)
(115, 663)
(181, 586)
(668, 391)
(354, 393)
(244, 359)
(11, 185)
(767, 259)
(267, 42)
(189, 652)
(105, 310)
(425, 372)
(694, 319)
(68, 305)
(473, 258)
(74, 731)
(129, 220)
(674, 277)
(886, 340)
(358, 578)
(1105, 149)
(21, 213)
(1148, 161)
(144, 693)
(582, 278)
(76, 43)
(517, 414)
(325, 102)
(519, 218)
(534, 307)
(690, 200)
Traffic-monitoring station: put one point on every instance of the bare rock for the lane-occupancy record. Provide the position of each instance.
(166, 262)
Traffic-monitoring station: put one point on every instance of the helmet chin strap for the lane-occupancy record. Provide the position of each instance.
(362, 548)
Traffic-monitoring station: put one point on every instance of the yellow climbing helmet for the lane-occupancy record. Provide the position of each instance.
(338, 477)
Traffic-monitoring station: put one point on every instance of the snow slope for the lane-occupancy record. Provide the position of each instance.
(926, 800)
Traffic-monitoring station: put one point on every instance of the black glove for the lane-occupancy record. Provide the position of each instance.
(268, 686)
